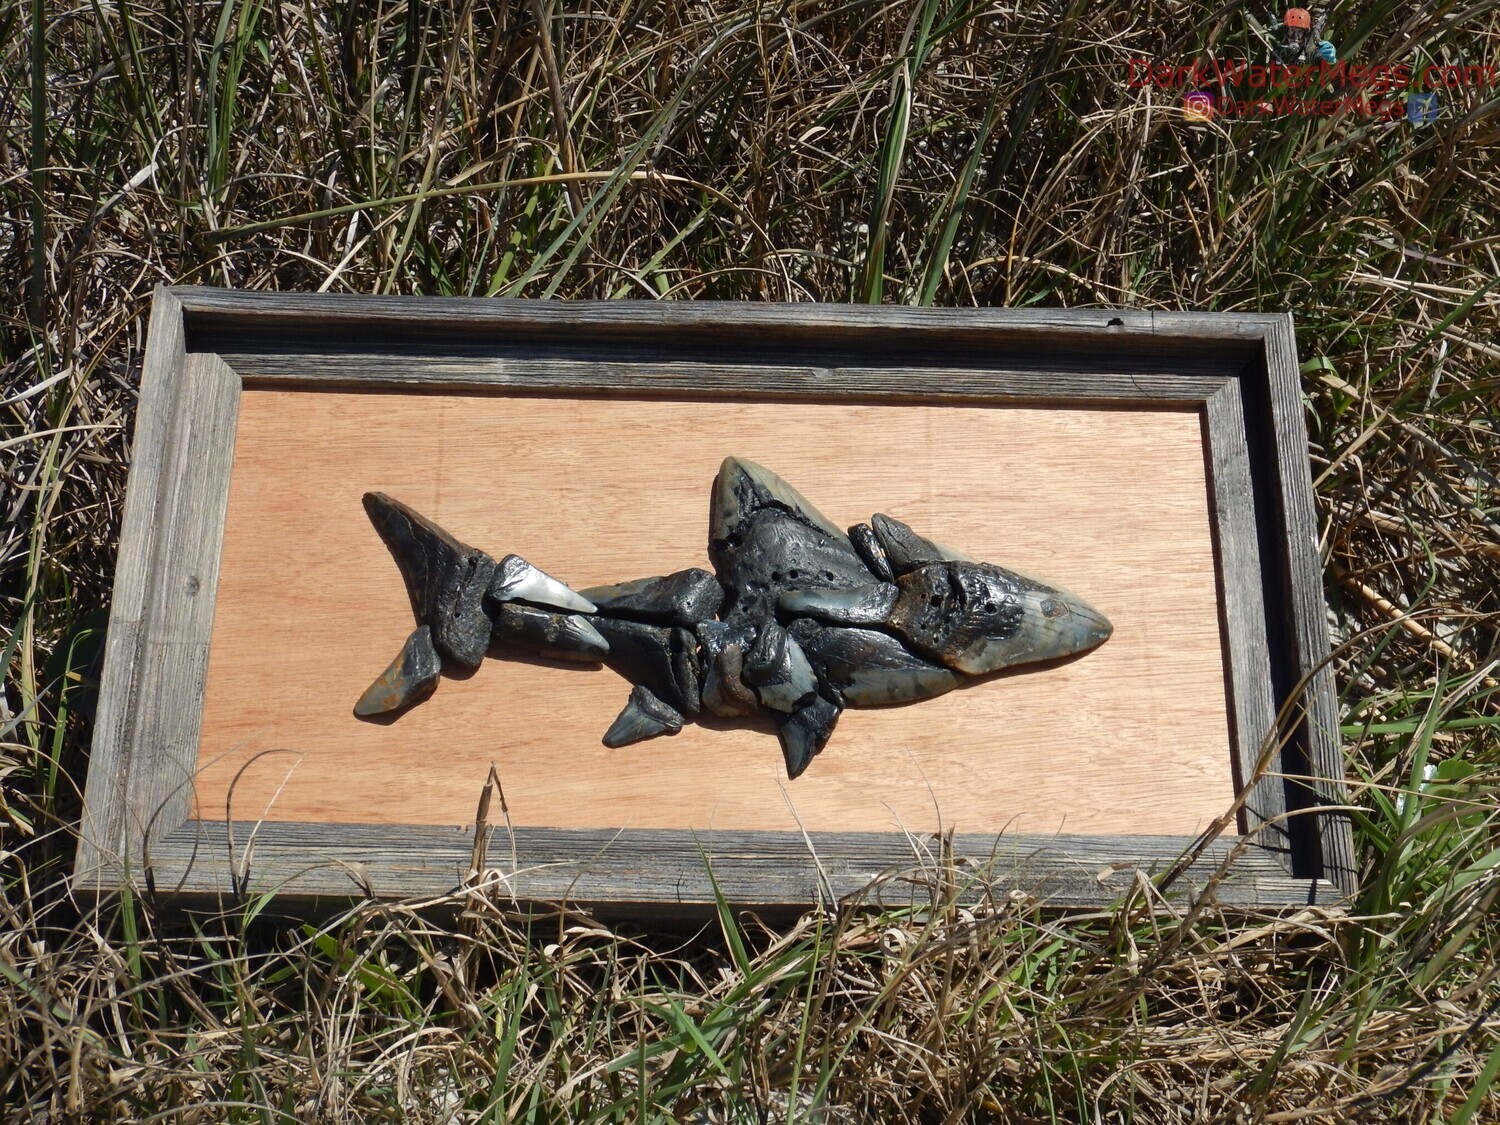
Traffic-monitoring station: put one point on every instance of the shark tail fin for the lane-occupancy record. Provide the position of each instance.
(463, 600)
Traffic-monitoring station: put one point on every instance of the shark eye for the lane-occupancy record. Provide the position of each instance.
(1052, 608)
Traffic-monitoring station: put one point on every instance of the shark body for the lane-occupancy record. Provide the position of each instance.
(798, 618)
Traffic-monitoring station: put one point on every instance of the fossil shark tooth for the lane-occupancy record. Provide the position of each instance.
(864, 540)
(977, 618)
(805, 732)
(904, 548)
(721, 660)
(868, 605)
(652, 656)
(778, 670)
(645, 716)
(516, 580)
(684, 598)
(869, 668)
(560, 636)
(410, 678)
(723, 686)
(743, 488)
(687, 670)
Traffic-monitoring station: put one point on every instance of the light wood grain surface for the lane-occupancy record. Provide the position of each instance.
(1110, 503)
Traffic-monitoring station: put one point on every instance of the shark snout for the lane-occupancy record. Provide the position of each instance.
(1071, 626)
(1098, 628)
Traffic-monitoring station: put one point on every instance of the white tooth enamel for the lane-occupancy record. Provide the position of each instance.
(546, 590)
(522, 582)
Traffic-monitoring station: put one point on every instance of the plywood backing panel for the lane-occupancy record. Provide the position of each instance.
(1112, 504)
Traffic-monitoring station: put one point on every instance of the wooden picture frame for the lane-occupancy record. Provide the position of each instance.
(206, 347)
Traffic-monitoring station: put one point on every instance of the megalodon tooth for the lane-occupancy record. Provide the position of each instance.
(645, 716)
(684, 598)
(411, 677)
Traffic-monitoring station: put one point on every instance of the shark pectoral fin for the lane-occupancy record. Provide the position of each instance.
(868, 605)
(805, 732)
(516, 580)
(409, 679)
(645, 716)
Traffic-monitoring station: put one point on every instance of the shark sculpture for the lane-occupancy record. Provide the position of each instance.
(798, 618)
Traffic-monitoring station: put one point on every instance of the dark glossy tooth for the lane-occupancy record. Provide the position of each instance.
(645, 716)
(446, 579)
(969, 616)
(778, 670)
(686, 671)
(867, 668)
(684, 598)
(516, 580)
(978, 618)
(876, 687)
(558, 636)
(862, 537)
(868, 606)
(715, 635)
(409, 679)
(805, 732)
(929, 611)
(904, 548)
(765, 537)
(744, 488)
(647, 655)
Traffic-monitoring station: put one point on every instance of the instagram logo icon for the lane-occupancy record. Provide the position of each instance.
(1198, 105)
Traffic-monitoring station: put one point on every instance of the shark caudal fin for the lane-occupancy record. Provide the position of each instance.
(464, 602)
(447, 580)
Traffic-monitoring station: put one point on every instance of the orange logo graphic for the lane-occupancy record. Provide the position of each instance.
(1198, 105)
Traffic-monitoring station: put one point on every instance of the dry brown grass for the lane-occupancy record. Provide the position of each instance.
(937, 153)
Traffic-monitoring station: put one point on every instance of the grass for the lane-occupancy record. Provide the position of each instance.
(935, 153)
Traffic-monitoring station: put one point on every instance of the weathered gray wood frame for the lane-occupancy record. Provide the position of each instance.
(1238, 371)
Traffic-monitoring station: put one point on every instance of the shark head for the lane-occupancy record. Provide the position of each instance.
(978, 618)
